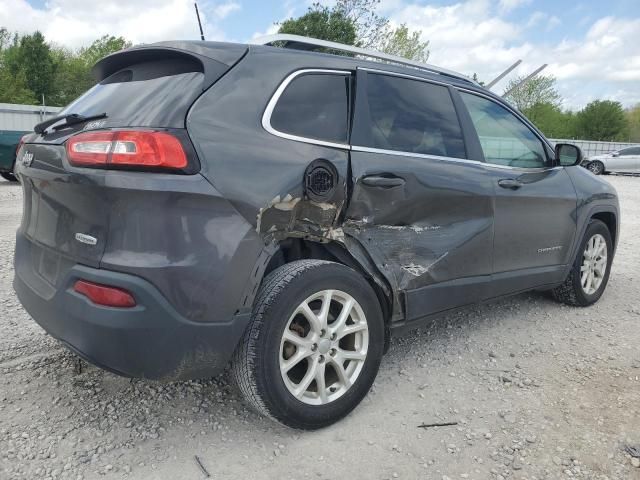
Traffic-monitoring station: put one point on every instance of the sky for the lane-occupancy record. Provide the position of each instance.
(592, 46)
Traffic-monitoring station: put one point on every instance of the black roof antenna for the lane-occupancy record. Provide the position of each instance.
(195, 4)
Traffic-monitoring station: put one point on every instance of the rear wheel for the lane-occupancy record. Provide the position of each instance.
(596, 167)
(9, 176)
(314, 345)
(590, 271)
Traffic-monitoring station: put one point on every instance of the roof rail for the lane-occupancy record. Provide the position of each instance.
(298, 41)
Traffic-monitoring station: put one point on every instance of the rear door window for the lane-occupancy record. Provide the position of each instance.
(630, 151)
(314, 106)
(155, 93)
(411, 116)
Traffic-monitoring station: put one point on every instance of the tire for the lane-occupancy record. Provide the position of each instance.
(596, 167)
(260, 360)
(9, 176)
(572, 291)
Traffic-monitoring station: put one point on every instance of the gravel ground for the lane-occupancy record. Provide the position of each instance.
(538, 390)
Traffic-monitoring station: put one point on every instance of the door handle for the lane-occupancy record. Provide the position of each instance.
(384, 182)
(510, 183)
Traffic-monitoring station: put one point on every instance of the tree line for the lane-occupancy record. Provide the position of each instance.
(604, 120)
(31, 67)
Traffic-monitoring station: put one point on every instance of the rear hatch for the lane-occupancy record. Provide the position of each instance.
(134, 120)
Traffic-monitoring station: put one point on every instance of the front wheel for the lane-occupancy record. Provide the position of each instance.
(596, 167)
(314, 345)
(590, 271)
(9, 176)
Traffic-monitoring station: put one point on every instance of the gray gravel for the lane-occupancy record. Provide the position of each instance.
(539, 391)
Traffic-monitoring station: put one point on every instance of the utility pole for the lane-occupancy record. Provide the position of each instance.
(525, 80)
(502, 75)
(195, 4)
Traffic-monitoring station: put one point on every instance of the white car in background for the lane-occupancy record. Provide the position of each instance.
(625, 160)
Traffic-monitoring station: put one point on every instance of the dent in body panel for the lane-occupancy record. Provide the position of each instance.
(288, 217)
(436, 226)
(414, 256)
(298, 217)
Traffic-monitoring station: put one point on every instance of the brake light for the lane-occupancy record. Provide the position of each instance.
(20, 143)
(104, 295)
(133, 148)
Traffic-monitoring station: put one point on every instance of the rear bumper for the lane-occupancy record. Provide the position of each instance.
(151, 340)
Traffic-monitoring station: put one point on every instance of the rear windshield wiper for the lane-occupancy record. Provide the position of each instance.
(70, 119)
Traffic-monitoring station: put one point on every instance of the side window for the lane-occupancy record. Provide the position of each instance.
(314, 105)
(505, 140)
(630, 151)
(412, 116)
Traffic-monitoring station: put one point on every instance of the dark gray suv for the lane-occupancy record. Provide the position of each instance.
(289, 211)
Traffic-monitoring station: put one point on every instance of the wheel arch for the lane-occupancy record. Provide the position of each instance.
(610, 219)
(608, 214)
(291, 249)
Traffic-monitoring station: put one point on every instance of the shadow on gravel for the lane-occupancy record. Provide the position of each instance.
(504, 313)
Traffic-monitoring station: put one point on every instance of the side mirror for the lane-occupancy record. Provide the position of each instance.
(615, 154)
(568, 155)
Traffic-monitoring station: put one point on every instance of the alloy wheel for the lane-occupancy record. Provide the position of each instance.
(595, 167)
(594, 264)
(323, 347)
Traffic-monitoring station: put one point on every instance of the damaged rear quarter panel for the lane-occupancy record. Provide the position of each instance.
(259, 173)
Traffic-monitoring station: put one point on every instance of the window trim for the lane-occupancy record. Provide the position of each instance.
(266, 116)
(402, 153)
(526, 123)
(266, 120)
(403, 75)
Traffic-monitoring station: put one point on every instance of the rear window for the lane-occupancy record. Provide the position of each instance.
(316, 106)
(149, 94)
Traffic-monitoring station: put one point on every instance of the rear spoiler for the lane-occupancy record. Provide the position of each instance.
(214, 57)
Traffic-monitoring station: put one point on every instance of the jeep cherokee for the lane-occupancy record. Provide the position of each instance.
(288, 211)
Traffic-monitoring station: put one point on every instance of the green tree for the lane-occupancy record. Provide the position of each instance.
(5, 38)
(13, 88)
(323, 23)
(603, 120)
(552, 121)
(13, 82)
(102, 47)
(404, 43)
(540, 89)
(31, 56)
(30, 67)
(475, 78)
(73, 77)
(633, 120)
(356, 22)
(73, 73)
(371, 28)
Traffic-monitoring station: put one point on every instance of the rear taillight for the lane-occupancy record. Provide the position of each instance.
(127, 148)
(20, 143)
(105, 295)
